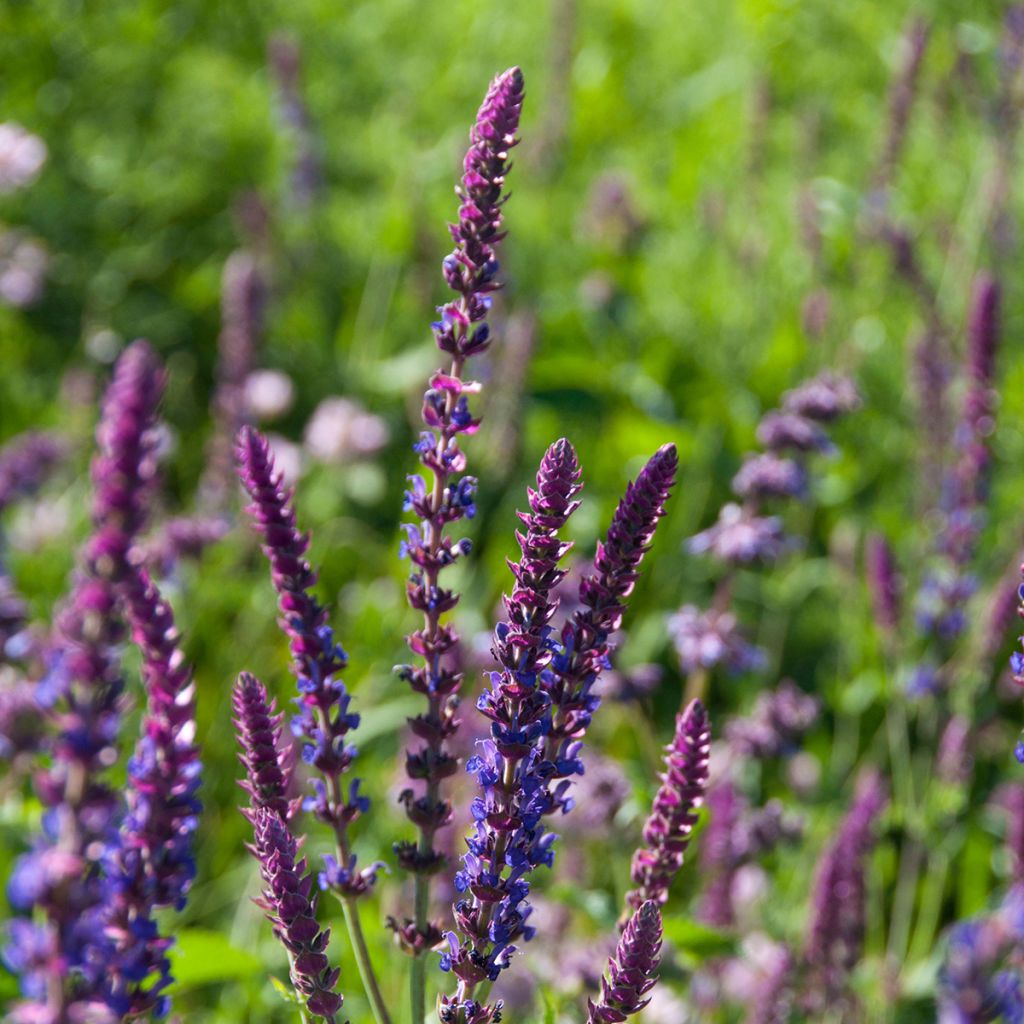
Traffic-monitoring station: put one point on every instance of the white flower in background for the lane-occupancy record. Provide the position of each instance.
(23, 263)
(340, 430)
(287, 457)
(22, 156)
(268, 394)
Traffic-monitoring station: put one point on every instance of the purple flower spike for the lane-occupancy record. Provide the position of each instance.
(154, 864)
(509, 835)
(632, 971)
(83, 690)
(124, 470)
(667, 831)
(324, 719)
(446, 496)
(949, 584)
(1017, 658)
(779, 721)
(837, 922)
(290, 905)
(772, 1000)
(770, 476)
(267, 764)
(25, 463)
(740, 537)
(782, 431)
(883, 582)
(704, 639)
(585, 646)
(824, 398)
(980, 980)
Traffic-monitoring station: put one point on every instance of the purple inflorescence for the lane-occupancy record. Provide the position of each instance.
(667, 831)
(585, 646)
(462, 332)
(510, 767)
(178, 539)
(243, 314)
(154, 864)
(883, 581)
(718, 862)
(824, 398)
(267, 764)
(779, 720)
(63, 875)
(706, 639)
(949, 584)
(741, 536)
(1017, 663)
(25, 463)
(980, 980)
(838, 910)
(290, 906)
(790, 431)
(324, 719)
(632, 971)
(767, 475)
(771, 1003)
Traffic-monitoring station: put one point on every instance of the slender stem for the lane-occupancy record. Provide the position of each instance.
(355, 927)
(362, 955)
(418, 978)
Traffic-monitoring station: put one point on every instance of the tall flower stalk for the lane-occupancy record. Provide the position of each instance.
(324, 719)
(667, 830)
(509, 839)
(445, 496)
(63, 877)
(154, 864)
(632, 971)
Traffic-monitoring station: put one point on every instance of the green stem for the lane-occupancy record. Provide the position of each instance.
(362, 955)
(418, 972)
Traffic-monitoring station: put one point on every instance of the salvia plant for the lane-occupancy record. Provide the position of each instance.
(498, 762)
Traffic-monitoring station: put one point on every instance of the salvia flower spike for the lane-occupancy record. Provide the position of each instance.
(585, 646)
(632, 971)
(838, 910)
(267, 763)
(62, 876)
(324, 719)
(667, 831)
(509, 839)
(154, 865)
(446, 496)
(290, 905)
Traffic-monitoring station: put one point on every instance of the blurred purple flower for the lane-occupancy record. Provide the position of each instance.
(22, 156)
(704, 639)
(778, 722)
(768, 475)
(740, 537)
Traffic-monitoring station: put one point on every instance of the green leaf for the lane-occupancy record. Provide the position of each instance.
(199, 957)
(698, 940)
(285, 991)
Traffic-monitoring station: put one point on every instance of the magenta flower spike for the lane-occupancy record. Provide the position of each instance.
(667, 831)
(83, 691)
(585, 645)
(324, 719)
(445, 496)
(289, 903)
(267, 763)
(836, 934)
(154, 865)
(883, 582)
(632, 971)
(509, 839)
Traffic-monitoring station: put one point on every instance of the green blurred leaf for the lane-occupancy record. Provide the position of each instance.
(199, 957)
(698, 940)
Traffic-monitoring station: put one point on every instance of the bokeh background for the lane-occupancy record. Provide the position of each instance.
(694, 228)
